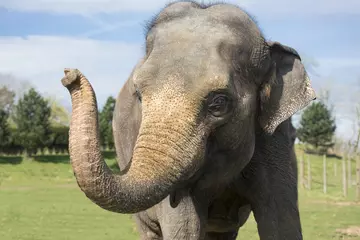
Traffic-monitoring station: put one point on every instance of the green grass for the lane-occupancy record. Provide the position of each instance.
(40, 199)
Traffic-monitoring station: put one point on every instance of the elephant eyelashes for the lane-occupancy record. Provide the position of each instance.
(219, 105)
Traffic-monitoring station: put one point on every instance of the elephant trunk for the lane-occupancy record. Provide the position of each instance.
(160, 162)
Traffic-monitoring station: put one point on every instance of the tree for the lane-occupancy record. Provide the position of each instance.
(106, 115)
(31, 116)
(6, 99)
(357, 118)
(317, 126)
(59, 126)
(4, 130)
(59, 139)
(59, 115)
(6, 102)
(17, 85)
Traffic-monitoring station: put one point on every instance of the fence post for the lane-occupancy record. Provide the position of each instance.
(308, 172)
(349, 171)
(357, 178)
(324, 173)
(302, 166)
(344, 178)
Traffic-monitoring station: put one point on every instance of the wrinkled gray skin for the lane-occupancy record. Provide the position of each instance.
(202, 130)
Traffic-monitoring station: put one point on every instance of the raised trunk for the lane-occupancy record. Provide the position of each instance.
(158, 165)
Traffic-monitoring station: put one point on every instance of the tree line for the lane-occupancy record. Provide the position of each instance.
(37, 124)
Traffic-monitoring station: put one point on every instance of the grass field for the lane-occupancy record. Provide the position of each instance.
(40, 200)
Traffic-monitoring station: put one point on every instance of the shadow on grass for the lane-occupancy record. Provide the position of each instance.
(64, 159)
(321, 183)
(52, 159)
(10, 160)
(334, 156)
(329, 155)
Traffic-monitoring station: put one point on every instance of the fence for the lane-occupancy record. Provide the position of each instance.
(331, 175)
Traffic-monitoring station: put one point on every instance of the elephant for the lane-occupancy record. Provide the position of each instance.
(202, 129)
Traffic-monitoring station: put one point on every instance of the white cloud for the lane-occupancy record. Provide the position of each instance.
(82, 6)
(339, 62)
(41, 60)
(303, 7)
(273, 7)
(105, 27)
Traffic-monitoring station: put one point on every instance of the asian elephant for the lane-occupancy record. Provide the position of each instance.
(202, 129)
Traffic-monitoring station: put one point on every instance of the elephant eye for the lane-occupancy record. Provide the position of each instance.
(138, 94)
(219, 105)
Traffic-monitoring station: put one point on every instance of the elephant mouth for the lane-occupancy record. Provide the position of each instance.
(175, 196)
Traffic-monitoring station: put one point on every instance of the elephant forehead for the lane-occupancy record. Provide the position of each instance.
(199, 47)
(188, 31)
(183, 72)
(214, 21)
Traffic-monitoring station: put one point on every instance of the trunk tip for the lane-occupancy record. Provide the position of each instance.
(71, 76)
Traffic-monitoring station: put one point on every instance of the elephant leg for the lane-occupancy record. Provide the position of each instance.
(221, 236)
(147, 227)
(184, 221)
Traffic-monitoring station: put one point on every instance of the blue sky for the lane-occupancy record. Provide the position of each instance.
(104, 39)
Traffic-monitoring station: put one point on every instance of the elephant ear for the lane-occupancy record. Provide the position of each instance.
(286, 90)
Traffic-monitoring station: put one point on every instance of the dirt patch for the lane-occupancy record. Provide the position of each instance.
(353, 231)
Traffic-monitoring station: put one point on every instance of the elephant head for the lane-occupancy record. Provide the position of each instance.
(207, 83)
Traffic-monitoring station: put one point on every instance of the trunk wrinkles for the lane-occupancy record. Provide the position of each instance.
(158, 165)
